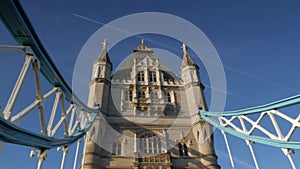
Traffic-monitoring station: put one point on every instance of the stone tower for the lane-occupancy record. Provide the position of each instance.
(149, 116)
(100, 81)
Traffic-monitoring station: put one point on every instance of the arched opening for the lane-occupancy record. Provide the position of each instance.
(141, 76)
(183, 150)
(152, 76)
(141, 94)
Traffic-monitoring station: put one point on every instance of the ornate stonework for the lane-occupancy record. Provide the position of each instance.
(154, 113)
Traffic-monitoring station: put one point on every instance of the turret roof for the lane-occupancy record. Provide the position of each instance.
(103, 56)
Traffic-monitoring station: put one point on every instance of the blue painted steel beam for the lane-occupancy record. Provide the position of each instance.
(18, 24)
(208, 116)
(257, 139)
(274, 105)
(16, 135)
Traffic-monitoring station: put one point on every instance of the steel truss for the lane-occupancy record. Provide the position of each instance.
(73, 119)
(247, 125)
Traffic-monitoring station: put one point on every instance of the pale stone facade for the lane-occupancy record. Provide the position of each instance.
(149, 116)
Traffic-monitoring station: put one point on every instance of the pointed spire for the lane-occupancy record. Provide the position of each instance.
(104, 44)
(103, 56)
(186, 60)
(184, 47)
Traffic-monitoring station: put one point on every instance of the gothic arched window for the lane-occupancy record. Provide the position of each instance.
(98, 73)
(141, 76)
(150, 143)
(180, 150)
(128, 95)
(141, 94)
(168, 97)
(152, 76)
(183, 150)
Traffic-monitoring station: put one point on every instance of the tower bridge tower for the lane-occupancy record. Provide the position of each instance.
(154, 113)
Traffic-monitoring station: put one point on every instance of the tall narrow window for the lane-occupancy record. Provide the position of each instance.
(150, 143)
(117, 148)
(152, 76)
(141, 94)
(98, 73)
(155, 145)
(180, 150)
(128, 95)
(183, 150)
(168, 95)
(141, 76)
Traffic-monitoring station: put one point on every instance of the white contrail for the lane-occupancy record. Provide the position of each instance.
(100, 23)
(87, 19)
(209, 61)
(124, 31)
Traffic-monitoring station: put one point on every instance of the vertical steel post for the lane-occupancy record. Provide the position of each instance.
(76, 153)
(53, 113)
(40, 163)
(252, 153)
(291, 161)
(41, 156)
(65, 151)
(39, 97)
(228, 149)
(63, 114)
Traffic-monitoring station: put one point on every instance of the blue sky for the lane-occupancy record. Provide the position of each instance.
(257, 43)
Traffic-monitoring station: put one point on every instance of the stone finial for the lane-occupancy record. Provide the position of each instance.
(142, 47)
(184, 47)
(104, 44)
